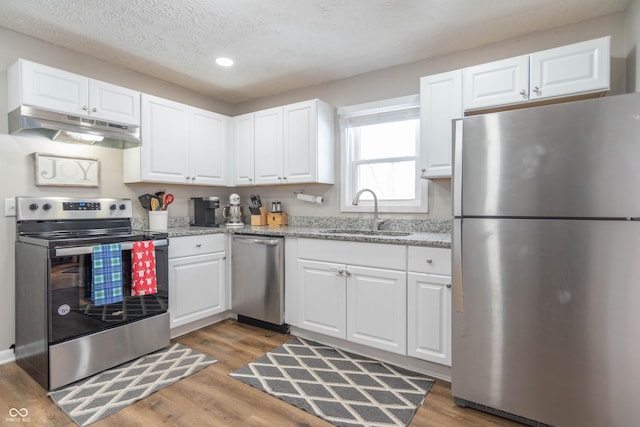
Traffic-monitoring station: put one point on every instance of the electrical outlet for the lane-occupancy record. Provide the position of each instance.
(9, 206)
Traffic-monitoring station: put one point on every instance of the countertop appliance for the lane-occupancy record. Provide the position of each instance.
(257, 280)
(233, 212)
(546, 273)
(61, 335)
(204, 211)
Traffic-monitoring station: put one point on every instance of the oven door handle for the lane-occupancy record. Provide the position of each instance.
(84, 250)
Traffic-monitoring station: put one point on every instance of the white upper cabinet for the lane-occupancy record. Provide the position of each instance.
(57, 90)
(287, 145)
(180, 144)
(577, 68)
(440, 102)
(268, 146)
(565, 71)
(207, 147)
(243, 148)
(164, 149)
(308, 142)
(497, 83)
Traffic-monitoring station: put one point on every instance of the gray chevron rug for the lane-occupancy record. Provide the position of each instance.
(94, 398)
(342, 388)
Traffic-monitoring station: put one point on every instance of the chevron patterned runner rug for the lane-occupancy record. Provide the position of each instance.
(94, 398)
(342, 388)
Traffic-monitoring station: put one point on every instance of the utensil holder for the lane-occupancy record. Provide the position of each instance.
(260, 219)
(158, 220)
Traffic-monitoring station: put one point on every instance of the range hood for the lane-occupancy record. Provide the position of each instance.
(39, 123)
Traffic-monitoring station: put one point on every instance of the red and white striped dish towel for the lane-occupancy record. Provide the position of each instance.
(143, 266)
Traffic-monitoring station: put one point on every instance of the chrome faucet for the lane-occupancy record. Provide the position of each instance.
(376, 221)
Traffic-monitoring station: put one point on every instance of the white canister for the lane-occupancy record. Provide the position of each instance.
(158, 220)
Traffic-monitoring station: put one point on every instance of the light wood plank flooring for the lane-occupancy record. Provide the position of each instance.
(212, 398)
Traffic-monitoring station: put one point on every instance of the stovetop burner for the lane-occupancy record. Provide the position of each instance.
(58, 221)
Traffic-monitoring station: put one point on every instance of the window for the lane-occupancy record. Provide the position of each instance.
(381, 151)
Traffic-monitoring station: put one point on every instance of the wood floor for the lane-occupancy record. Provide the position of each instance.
(212, 398)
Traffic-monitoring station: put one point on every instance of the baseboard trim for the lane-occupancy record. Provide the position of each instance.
(7, 356)
(201, 323)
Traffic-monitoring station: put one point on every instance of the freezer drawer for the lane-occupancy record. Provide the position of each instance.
(257, 274)
(549, 325)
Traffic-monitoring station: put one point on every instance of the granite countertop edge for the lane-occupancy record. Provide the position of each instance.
(426, 239)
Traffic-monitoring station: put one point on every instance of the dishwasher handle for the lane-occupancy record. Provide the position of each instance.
(260, 241)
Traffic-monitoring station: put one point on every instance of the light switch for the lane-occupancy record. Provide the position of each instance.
(9, 206)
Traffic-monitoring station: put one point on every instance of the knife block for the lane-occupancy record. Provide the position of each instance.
(260, 219)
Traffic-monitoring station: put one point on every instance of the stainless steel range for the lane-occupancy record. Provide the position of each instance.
(64, 330)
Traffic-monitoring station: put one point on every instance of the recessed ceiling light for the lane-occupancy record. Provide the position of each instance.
(224, 62)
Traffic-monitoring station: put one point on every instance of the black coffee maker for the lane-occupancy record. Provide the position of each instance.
(204, 211)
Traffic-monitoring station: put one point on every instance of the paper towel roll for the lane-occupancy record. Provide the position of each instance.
(309, 198)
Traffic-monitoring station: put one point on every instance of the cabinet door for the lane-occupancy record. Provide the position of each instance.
(54, 89)
(268, 146)
(300, 142)
(577, 68)
(376, 308)
(322, 294)
(440, 102)
(114, 103)
(496, 83)
(165, 140)
(196, 287)
(429, 317)
(243, 136)
(207, 147)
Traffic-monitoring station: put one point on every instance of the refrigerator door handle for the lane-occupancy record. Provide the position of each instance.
(457, 167)
(456, 253)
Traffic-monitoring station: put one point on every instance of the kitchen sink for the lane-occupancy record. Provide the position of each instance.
(367, 232)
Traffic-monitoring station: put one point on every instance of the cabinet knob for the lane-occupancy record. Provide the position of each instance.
(198, 245)
(347, 272)
(250, 179)
(94, 109)
(193, 178)
(423, 170)
(85, 107)
(523, 93)
(188, 178)
(448, 285)
(429, 260)
(537, 90)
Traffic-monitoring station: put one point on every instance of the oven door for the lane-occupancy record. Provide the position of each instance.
(71, 311)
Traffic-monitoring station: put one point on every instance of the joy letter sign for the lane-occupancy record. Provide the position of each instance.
(69, 171)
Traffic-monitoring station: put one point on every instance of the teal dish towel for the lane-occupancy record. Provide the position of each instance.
(107, 274)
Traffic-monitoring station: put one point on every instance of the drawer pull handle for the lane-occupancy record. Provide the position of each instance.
(429, 260)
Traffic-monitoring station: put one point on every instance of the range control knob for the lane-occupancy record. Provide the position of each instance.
(46, 206)
(123, 207)
(33, 206)
(113, 207)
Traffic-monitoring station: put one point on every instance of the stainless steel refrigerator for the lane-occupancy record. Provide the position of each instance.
(546, 260)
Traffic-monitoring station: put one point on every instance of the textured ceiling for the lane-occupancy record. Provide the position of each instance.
(281, 44)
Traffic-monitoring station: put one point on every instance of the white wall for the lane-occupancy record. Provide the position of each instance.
(632, 26)
(16, 163)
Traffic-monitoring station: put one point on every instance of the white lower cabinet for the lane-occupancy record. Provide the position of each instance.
(354, 300)
(429, 317)
(362, 293)
(429, 304)
(323, 298)
(376, 308)
(196, 278)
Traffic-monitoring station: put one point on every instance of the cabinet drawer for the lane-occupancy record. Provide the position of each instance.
(196, 245)
(430, 260)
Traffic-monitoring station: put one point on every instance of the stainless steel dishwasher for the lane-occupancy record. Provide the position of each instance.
(257, 280)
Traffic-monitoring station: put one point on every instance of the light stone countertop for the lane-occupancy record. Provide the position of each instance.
(427, 239)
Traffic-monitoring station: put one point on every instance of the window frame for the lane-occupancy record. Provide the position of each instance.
(419, 204)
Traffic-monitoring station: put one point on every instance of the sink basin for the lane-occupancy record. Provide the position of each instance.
(367, 232)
